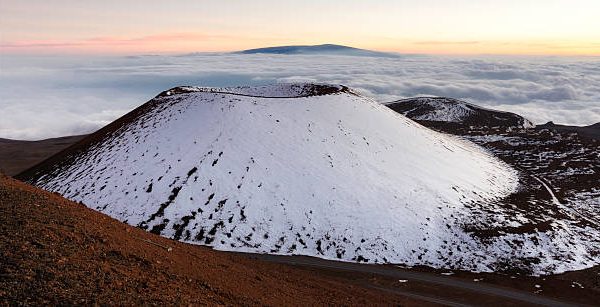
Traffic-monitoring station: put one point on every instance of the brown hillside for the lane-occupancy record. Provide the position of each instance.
(55, 251)
(17, 156)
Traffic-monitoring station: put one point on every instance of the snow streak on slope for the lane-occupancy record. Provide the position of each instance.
(329, 174)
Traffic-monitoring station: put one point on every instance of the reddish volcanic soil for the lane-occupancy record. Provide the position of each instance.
(58, 252)
(55, 251)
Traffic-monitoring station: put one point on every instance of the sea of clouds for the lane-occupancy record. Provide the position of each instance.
(43, 97)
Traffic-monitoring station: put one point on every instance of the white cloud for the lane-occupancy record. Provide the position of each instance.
(54, 96)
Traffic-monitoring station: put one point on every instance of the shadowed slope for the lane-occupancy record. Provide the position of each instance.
(17, 156)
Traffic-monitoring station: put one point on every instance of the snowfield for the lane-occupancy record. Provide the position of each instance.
(302, 169)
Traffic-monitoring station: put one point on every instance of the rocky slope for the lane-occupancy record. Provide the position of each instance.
(558, 161)
(591, 131)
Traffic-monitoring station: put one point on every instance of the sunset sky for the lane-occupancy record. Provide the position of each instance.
(548, 27)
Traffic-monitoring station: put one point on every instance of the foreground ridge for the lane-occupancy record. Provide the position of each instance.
(55, 251)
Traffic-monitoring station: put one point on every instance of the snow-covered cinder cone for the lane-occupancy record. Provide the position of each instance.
(288, 169)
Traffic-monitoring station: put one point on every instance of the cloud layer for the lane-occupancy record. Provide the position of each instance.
(55, 96)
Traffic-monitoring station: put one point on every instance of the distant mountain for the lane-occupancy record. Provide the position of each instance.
(591, 131)
(319, 49)
(454, 111)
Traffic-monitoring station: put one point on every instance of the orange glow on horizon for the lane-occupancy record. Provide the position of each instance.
(523, 27)
(173, 43)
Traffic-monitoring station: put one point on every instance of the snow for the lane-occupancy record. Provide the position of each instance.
(574, 283)
(335, 176)
(445, 111)
(561, 158)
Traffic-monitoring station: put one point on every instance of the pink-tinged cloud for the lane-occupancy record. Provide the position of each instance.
(167, 42)
(447, 43)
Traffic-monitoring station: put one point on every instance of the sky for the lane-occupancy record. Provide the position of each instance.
(70, 67)
(540, 27)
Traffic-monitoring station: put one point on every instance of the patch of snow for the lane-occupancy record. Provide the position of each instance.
(574, 284)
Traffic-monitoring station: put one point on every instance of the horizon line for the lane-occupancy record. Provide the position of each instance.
(195, 42)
